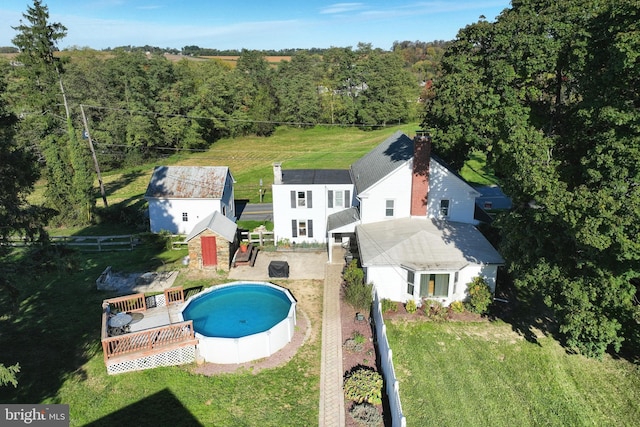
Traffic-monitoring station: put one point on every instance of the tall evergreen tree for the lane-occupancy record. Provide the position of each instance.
(69, 183)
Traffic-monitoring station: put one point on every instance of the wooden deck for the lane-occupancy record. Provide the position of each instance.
(152, 331)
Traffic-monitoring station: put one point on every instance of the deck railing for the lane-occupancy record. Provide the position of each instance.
(174, 295)
(150, 339)
(133, 303)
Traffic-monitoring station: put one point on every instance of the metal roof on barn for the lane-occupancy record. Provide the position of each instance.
(316, 176)
(187, 182)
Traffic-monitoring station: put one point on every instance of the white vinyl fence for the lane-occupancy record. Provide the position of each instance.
(386, 362)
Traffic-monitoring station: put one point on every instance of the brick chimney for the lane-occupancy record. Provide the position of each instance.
(277, 173)
(420, 175)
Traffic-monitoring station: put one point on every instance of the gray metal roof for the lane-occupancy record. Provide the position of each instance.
(217, 223)
(382, 160)
(316, 176)
(342, 218)
(187, 182)
(392, 153)
(424, 244)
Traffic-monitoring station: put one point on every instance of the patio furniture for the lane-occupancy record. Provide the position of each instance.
(279, 269)
(119, 324)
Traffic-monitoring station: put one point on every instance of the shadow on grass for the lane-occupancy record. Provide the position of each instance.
(125, 179)
(55, 328)
(161, 408)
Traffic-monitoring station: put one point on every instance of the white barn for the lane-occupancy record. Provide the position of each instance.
(179, 197)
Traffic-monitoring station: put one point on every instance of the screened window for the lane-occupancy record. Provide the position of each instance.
(339, 199)
(389, 208)
(444, 208)
(410, 281)
(185, 217)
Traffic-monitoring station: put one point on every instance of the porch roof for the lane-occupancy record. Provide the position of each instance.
(424, 244)
(343, 218)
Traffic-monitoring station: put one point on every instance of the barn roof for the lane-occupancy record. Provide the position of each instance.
(187, 182)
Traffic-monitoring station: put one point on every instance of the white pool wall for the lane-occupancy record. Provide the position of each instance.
(250, 347)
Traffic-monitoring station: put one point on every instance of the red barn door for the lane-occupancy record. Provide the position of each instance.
(209, 251)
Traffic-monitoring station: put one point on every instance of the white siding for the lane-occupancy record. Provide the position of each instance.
(444, 185)
(166, 214)
(397, 187)
(284, 214)
(391, 282)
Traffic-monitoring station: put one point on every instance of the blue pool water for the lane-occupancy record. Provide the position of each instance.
(237, 311)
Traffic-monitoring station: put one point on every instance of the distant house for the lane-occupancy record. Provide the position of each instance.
(413, 219)
(179, 197)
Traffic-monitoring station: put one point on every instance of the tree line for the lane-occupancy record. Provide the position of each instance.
(549, 92)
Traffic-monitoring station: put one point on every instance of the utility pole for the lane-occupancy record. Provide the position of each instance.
(93, 154)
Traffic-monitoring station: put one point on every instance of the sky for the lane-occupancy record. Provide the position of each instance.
(251, 24)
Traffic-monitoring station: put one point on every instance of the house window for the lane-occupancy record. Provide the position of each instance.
(224, 210)
(444, 208)
(411, 276)
(388, 208)
(339, 199)
(185, 217)
(302, 201)
(302, 228)
(434, 285)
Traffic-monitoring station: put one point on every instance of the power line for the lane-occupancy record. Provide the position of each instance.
(157, 114)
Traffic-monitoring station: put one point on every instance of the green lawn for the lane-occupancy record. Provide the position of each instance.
(485, 374)
(54, 334)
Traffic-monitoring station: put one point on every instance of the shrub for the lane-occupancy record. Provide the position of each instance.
(356, 293)
(363, 384)
(457, 307)
(436, 311)
(366, 414)
(411, 306)
(388, 305)
(355, 344)
(479, 296)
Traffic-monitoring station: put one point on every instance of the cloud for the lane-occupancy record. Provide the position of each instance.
(342, 8)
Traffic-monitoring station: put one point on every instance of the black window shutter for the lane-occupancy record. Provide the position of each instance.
(310, 228)
(330, 198)
(294, 228)
(309, 205)
(293, 199)
(347, 199)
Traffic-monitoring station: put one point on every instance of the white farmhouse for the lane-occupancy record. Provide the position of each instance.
(179, 197)
(413, 219)
(303, 199)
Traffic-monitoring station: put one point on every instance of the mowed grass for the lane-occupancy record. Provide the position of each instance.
(485, 374)
(54, 334)
(250, 159)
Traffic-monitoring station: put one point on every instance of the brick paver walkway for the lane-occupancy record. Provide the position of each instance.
(331, 395)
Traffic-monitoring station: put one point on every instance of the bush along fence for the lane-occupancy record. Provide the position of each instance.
(392, 386)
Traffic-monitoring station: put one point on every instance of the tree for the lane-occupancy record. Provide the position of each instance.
(69, 183)
(548, 92)
(18, 174)
(297, 89)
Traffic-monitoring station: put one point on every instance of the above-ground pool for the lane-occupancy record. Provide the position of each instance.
(241, 321)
